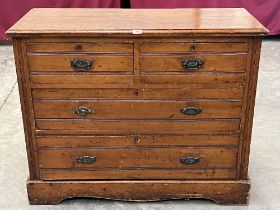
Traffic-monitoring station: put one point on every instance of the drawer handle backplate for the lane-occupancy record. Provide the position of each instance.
(193, 64)
(191, 110)
(86, 159)
(189, 160)
(83, 111)
(81, 65)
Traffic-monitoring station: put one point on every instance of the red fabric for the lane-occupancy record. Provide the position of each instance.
(266, 11)
(12, 10)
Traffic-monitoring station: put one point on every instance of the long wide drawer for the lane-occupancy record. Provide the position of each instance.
(136, 140)
(82, 126)
(140, 93)
(179, 159)
(136, 109)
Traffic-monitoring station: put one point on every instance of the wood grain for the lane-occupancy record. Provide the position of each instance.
(26, 105)
(192, 78)
(79, 47)
(172, 63)
(89, 22)
(190, 47)
(136, 109)
(249, 103)
(143, 93)
(136, 140)
(134, 174)
(221, 192)
(138, 86)
(62, 62)
(140, 126)
(81, 78)
(135, 158)
(131, 39)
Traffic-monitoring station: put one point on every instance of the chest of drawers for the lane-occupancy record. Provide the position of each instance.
(137, 104)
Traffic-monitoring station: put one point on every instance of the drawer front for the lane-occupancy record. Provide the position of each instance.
(84, 63)
(172, 79)
(193, 78)
(82, 47)
(140, 93)
(83, 126)
(133, 109)
(177, 158)
(80, 79)
(138, 157)
(135, 141)
(123, 137)
(136, 174)
(174, 63)
(193, 47)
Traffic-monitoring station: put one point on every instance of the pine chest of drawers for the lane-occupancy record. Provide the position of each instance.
(137, 104)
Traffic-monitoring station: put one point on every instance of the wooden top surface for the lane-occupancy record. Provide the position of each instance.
(229, 21)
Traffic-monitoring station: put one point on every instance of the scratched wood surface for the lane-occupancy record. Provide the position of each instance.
(151, 21)
(136, 87)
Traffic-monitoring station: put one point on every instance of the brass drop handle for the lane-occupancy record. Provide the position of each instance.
(189, 160)
(83, 111)
(192, 64)
(191, 110)
(86, 159)
(81, 65)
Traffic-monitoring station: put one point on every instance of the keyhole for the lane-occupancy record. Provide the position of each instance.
(79, 47)
(193, 47)
(136, 92)
(137, 139)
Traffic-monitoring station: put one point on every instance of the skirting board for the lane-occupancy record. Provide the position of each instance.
(221, 192)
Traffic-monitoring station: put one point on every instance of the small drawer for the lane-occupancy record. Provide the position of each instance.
(182, 47)
(193, 78)
(79, 63)
(195, 63)
(136, 109)
(80, 47)
(81, 79)
(140, 93)
(173, 159)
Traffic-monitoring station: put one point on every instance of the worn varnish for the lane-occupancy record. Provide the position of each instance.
(165, 113)
(135, 141)
(138, 158)
(62, 63)
(212, 63)
(88, 22)
(137, 109)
